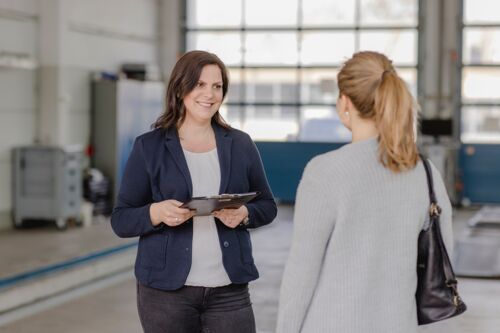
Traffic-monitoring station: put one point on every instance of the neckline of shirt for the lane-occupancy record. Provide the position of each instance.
(202, 153)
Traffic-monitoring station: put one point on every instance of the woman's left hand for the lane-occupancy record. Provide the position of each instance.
(231, 217)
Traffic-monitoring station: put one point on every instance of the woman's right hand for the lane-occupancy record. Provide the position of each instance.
(168, 212)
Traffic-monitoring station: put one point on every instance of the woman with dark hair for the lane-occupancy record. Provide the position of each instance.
(193, 271)
(359, 210)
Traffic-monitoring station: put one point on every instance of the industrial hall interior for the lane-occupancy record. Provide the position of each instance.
(97, 105)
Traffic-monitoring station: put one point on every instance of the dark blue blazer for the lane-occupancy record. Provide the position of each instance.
(157, 170)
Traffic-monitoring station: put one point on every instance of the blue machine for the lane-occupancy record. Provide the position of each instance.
(285, 161)
(480, 165)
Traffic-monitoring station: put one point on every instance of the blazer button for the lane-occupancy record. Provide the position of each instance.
(187, 248)
(226, 244)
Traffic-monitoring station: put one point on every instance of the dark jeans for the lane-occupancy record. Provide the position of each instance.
(196, 310)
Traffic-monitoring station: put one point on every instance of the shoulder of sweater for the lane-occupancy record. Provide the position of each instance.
(324, 164)
(335, 163)
(332, 159)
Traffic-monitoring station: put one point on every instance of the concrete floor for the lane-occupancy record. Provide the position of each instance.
(111, 307)
(41, 244)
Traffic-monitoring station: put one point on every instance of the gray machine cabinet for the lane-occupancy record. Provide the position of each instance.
(122, 110)
(46, 184)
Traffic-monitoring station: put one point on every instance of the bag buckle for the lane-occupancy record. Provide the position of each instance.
(435, 210)
(453, 285)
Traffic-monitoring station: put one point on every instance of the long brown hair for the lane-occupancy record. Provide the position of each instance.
(183, 80)
(377, 92)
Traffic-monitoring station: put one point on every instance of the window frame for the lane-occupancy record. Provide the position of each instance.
(461, 68)
(357, 28)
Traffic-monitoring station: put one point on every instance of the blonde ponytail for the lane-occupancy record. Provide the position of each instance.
(394, 110)
(378, 93)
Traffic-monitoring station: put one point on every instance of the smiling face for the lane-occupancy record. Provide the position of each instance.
(206, 97)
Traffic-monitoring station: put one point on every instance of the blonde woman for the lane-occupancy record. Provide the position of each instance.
(358, 213)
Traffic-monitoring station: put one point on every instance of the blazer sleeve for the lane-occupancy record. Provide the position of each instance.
(263, 210)
(130, 217)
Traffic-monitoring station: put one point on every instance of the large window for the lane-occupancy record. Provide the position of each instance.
(481, 72)
(284, 55)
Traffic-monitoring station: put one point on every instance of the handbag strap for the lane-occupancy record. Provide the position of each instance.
(434, 209)
(430, 182)
(434, 213)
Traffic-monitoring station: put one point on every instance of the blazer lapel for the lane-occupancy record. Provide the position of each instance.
(173, 144)
(224, 143)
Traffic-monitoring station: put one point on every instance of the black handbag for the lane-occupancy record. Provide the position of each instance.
(437, 296)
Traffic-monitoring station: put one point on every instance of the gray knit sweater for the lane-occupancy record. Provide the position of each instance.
(352, 263)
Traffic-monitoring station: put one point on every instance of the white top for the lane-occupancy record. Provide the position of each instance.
(352, 266)
(207, 269)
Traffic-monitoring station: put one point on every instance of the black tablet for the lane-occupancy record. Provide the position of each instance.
(206, 205)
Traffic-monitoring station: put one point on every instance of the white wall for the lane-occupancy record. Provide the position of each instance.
(69, 39)
(95, 35)
(18, 87)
